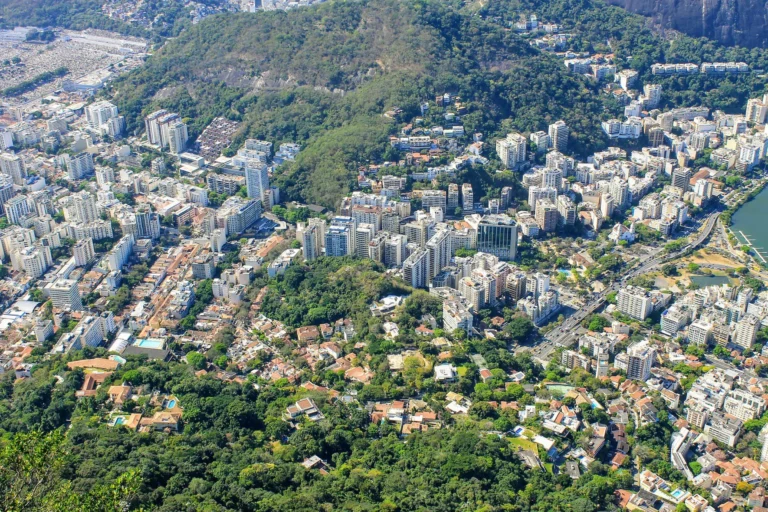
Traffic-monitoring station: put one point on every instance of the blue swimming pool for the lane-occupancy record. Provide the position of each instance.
(171, 404)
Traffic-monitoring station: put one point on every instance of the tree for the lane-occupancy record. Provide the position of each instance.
(30, 466)
(196, 360)
(518, 328)
(670, 269)
(597, 323)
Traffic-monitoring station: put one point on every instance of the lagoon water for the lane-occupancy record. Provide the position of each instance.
(752, 220)
(703, 281)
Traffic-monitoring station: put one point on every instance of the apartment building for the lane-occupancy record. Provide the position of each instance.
(635, 302)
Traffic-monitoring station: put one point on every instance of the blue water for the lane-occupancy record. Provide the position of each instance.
(119, 421)
(750, 219)
(171, 404)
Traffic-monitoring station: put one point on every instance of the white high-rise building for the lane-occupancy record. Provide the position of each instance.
(259, 145)
(473, 292)
(118, 256)
(639, 361)
(536, 193)
(16, 208)
(558, 135)
(64, 294)
(152, 127)
(416, 269)
(97, 114)
(105, 176)
(634, 302)
(311, 237)
(467, 198)
(34, 261)
(652, 93)
(745, 333)
(757, 108)
(620, 191)
(743, 405)
(537, 284)
(456, 316)
(512, 150)
(339, 240)
(395, 250)
(81, 207)
(83, 252)
(13, 166)
(439, 249)
(257, 181)
(177, 136)
(364, 233)
(79, 166)
(541, 140)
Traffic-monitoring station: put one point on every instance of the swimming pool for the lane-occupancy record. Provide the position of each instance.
(678, 493)
(171, 404)
(119, 420)
(148, 343)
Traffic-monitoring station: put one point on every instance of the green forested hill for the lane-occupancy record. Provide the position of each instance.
(324, 77)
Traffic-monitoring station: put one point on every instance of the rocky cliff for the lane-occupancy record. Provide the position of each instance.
(732, 22)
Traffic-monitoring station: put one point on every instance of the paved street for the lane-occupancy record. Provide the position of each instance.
(567, 334)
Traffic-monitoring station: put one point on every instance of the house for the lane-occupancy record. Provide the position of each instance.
(423, 330)
(307, 334)
(326, 331)
(582, 260)
(359, 374)
(315, 462)
(91, 383)
(391, 330)
(486, 375)
(572, 468)
(165, 420)
(597, 441)
(119, 394)
(306, 407)
(445, 373)
(332, 349)
(756, 498)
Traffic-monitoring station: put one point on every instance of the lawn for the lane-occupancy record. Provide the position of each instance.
(523, 443)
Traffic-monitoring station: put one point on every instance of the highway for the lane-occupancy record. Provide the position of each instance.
(564, 336)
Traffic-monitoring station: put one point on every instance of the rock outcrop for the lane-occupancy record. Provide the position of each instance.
(732, 22)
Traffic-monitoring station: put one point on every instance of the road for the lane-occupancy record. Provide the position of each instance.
(564, 336)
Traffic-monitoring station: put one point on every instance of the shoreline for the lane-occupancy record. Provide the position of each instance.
(759, 254)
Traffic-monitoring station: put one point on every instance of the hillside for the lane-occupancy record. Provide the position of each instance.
(324, 76)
